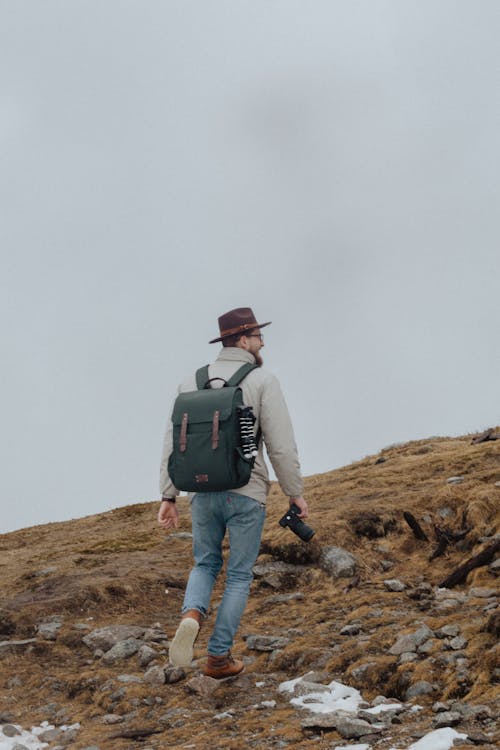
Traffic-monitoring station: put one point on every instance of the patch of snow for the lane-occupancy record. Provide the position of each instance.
(353, 747)
(439, 739)
(338, 698)
(382, 707)
(29, 739)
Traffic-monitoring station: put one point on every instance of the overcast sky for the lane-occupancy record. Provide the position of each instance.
(332, 164)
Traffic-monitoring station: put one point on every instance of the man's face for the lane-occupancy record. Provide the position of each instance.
(253, 342)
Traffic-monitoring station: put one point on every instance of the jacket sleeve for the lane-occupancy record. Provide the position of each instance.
(166, 486)
(278, 436)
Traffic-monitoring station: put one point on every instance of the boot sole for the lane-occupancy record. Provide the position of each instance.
(225, 679)
(181, 649)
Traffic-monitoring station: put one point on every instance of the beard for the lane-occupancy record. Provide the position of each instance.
(258, 359)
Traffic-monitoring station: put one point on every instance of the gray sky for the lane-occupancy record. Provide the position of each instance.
(333, 165)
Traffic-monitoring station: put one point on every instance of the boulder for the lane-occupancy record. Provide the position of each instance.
(338, 562)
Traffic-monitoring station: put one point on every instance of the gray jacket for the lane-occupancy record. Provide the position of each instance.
(262, 391)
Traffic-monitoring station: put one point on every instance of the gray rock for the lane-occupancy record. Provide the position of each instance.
(419, 688)
(122, 650)
(202, 685)
(112, 719)
(350, 629)
(155, 676)
(50, 735)
(386, 564)
(427, 647)
(455, 480)
(305, 688)
(338, 562)
(18, 746)
(458, 643)
(351, 728)
(408, 657)
(439, 707)
(393, 584)
(146, 655)
(358, 673)
(448, 631)
(173, 674)
(278, 574)
(482, 593)
(49, 630)
(411, 641)
(9, 730)
(266, 642)
(494, 568)
(446, 719)
(105, 638)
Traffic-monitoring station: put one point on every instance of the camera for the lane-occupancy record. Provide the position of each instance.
(296, 524)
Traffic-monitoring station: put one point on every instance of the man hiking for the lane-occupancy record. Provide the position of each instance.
(239, 511)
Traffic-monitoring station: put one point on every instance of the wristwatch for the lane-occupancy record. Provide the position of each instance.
(168, 499)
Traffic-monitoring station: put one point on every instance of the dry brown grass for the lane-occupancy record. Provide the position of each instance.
(115, 567)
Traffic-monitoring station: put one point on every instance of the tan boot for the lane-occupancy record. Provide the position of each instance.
(180, 652)
(221, 667)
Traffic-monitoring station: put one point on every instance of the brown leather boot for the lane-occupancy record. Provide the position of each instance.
(181, 649)
(221, 667)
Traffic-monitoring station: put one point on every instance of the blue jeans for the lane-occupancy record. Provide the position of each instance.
(243, 517)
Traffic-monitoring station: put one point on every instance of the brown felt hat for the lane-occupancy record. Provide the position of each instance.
(237, 321)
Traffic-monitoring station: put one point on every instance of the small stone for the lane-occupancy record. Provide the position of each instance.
(50, 735)
(408, 657)
(458, 643)
(393, 584)
(202, 685)
(422, 687)
(482, 593)
(155, 676)
(9, 730)
(18, 746)
(129, 678)
(174, 674)
(122, 650)
(455, 480)
(448, 631)
(49, 630)
(145, 655)
(439, 707)
(446, 719)
(305, 688)
(386, 564)
(112, 719)
(410, 641)
(338, 562)
(266, 642)
(494, 568)
(350, 630)
(105, 638)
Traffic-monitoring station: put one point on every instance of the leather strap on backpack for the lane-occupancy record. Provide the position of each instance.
(203, 380)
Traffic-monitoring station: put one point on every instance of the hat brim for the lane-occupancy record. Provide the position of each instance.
(250, 328)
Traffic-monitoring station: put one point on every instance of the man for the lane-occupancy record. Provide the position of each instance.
(240, 512)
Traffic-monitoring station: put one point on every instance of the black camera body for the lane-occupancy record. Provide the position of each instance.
(296, 524)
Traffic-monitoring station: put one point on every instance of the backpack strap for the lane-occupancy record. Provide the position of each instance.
(201, 377)
(241, 374)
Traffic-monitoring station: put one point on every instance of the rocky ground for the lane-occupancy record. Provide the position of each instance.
(385, 651)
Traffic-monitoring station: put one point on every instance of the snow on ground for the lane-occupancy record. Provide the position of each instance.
(439, 739)
(30, 739)
(339, 697)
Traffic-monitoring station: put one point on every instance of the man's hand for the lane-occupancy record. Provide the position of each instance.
(300, 503)
(168, 515)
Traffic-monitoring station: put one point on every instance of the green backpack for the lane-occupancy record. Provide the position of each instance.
(214, 447)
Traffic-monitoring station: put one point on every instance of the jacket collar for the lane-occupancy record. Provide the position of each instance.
(235, 354)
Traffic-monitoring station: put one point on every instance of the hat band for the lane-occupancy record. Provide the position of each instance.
(244, 327)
